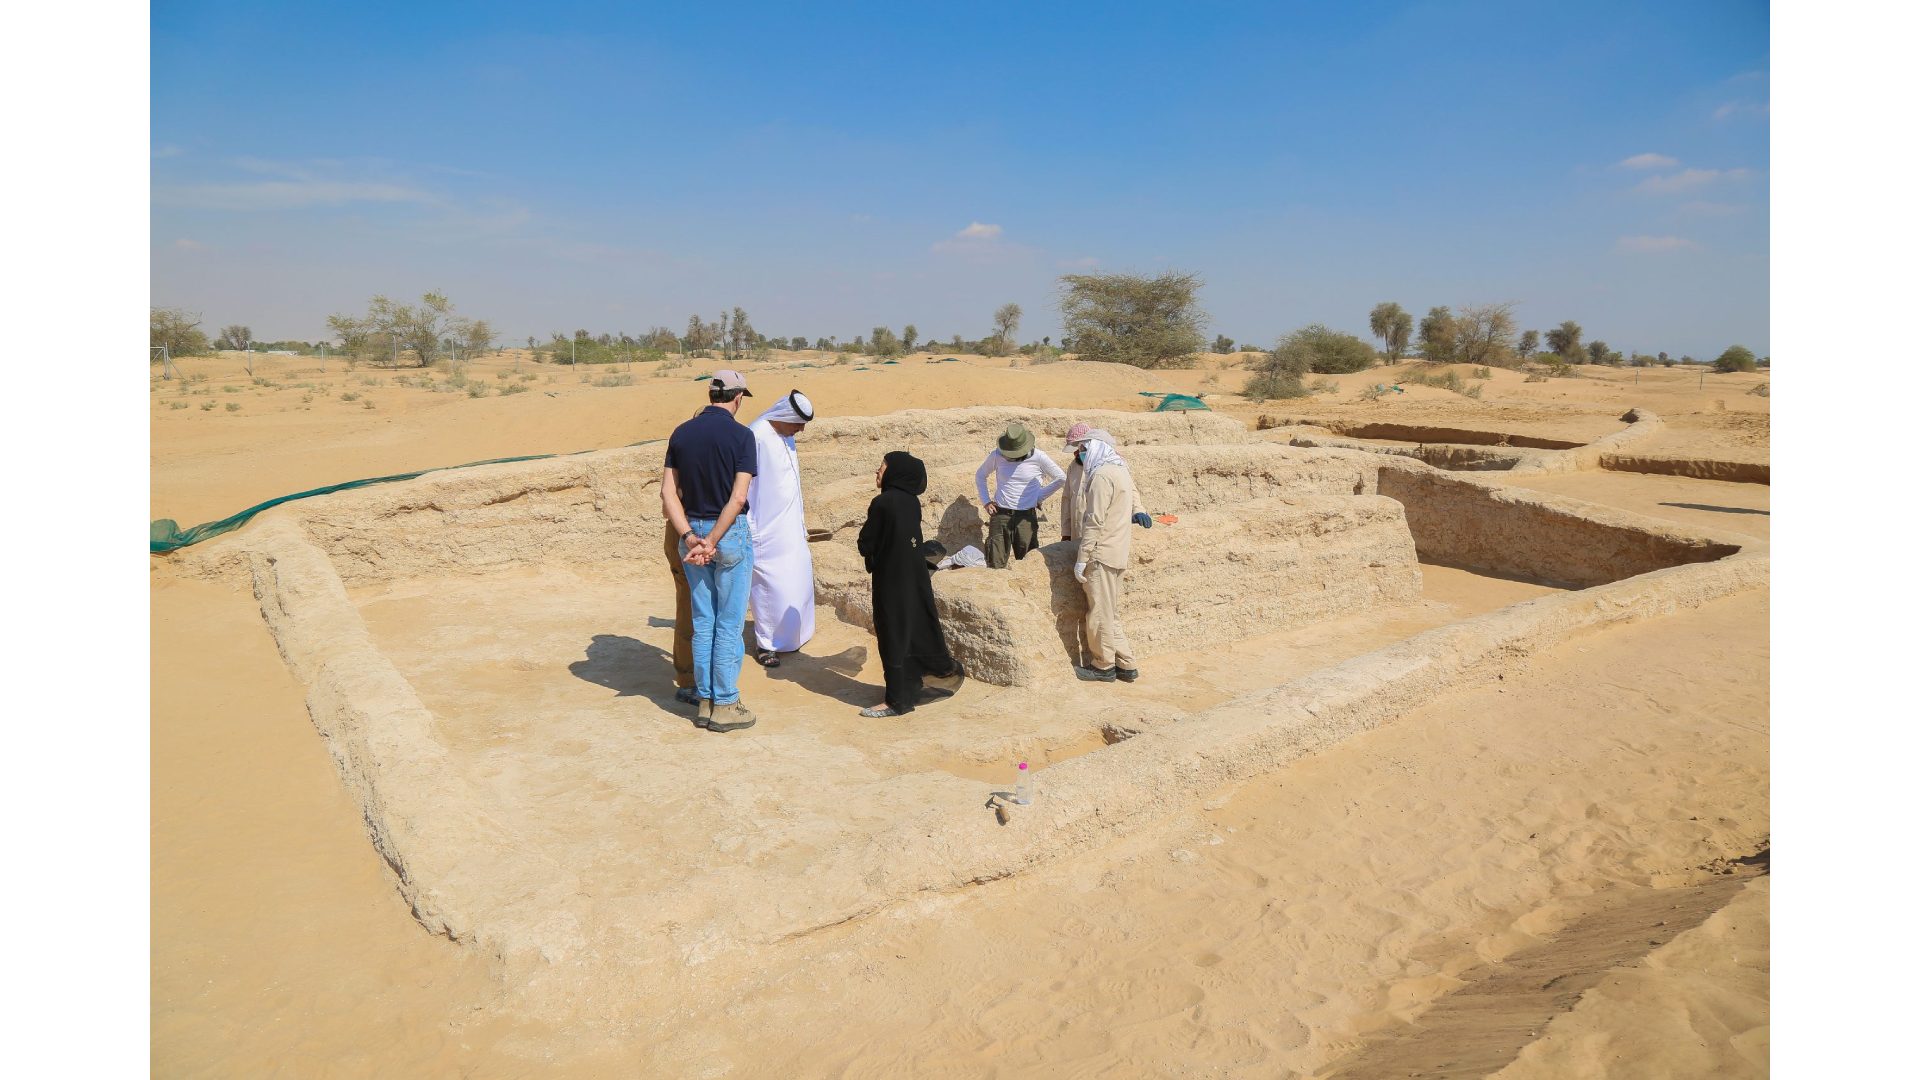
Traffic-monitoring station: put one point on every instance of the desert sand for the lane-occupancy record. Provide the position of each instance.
(1328, 918)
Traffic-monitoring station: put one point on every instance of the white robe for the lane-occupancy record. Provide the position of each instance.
(782, 593)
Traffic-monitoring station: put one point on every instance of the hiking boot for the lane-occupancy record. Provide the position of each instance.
(1126, 674)
(703, 716)
(734, 717)
(687, 695)
(1094, 674)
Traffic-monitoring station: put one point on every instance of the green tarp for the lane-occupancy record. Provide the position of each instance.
(165, 535)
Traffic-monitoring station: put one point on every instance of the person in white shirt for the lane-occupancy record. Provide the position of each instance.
(1023, 478)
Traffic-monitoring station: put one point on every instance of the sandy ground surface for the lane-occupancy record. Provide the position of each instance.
(1292, 927)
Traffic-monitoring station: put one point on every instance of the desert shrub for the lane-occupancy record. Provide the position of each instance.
(206, 406)
(1473, 391)
(367, 380)
(306, 399)
(1373, 393)
(1758, 391)
(1266, 423)
(527, 376)
(503, 376)
(1323, 386)
(349, 395)
(1447, 380)
(513, 388)
(614, 380)
(480, 390)
(1736, 358)
(229, 389)
(1327, 352)
(177, 404)
(1278, 375)
(367, 404)
(457, 380)
(233, 406)
(1482, 373)
(1535, 376)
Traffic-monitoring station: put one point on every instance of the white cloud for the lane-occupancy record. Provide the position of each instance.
(1688, 180)
(1653, 245)
(1647, 161)
(1738, 108)
(976, 239)
(167, 151)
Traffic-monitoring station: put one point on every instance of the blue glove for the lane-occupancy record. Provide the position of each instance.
(1143, 521)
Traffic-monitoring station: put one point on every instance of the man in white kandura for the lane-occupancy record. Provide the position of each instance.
(782, 595)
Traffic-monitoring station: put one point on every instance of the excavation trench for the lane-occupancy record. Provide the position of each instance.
(487, 654)
(1481, 1026)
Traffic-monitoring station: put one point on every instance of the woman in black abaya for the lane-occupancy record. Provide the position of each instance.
(904, 620)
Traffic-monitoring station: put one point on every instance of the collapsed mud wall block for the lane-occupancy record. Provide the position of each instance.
(1216, 577)
(583, 508)
(1475, 525)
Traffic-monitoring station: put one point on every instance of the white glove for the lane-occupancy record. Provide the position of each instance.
(1080, 572)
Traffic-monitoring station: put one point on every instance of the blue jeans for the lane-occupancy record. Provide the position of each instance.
(719, 593)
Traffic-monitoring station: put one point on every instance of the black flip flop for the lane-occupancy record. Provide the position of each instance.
(767, 658)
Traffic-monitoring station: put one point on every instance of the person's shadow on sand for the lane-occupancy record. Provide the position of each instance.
(830, 676)
(629, 668)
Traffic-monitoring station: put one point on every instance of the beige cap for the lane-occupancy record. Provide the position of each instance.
(729, 379)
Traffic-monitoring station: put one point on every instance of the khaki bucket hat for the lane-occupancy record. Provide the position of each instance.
(1016, 441)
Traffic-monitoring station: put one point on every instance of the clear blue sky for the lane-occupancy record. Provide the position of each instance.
(555, 167)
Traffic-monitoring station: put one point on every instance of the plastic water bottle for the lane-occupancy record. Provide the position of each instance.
(1023, 790)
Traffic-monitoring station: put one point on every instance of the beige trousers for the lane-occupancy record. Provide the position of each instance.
(1106, 641)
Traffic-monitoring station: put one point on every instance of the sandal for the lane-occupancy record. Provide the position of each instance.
(878, 711)
(767, 658)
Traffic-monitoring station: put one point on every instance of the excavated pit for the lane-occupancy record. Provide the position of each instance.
(487, 654)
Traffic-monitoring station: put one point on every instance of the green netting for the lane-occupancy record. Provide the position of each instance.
(165, 535)
(1176, 402)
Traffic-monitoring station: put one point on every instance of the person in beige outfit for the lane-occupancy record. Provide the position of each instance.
(1109, 504)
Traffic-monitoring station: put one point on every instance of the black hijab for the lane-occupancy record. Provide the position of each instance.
(906, 472)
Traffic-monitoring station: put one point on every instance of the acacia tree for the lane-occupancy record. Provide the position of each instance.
(1439, 335)
(1736, 358)
(1529, 344)
(1483, 334)
(884, 343)
(177, 330)
(1128, 319)
(909, 337)
(390, 329)
(1564, 340)
(1222, 344)
(1006, 324)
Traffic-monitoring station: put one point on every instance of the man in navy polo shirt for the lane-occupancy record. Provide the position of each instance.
(710, 462)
